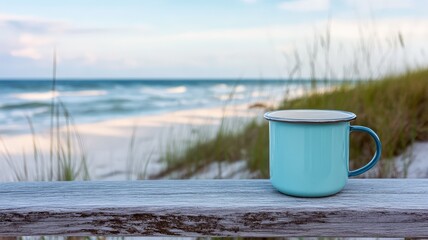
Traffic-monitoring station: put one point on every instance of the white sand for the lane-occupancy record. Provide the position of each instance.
(107, 143)
(415, 158)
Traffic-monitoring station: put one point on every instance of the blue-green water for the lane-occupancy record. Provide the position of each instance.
(97, 100)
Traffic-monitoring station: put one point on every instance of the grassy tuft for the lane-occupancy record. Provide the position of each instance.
(66, 162)
(395, 107)
(67, 158)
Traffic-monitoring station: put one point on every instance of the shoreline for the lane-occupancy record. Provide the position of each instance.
(107, 144)
(130, 148)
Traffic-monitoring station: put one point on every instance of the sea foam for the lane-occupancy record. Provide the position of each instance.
(36, 95)
(52, 94)
(180, 89)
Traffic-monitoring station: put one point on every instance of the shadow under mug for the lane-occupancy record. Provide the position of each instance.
(309, 151)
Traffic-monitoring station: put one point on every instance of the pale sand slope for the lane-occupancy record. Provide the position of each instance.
(416, 159)
(107, 143)
(413, 163)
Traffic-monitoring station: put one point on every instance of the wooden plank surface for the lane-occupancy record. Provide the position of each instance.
(365, 208)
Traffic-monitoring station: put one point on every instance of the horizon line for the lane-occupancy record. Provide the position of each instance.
(173, 79)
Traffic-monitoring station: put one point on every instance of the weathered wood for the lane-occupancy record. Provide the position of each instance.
(365, 208)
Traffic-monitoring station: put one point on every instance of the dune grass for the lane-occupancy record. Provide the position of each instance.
(395, 107)
(67, 158)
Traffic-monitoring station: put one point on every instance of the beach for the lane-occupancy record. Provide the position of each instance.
(132, 146)
(120, 129)
(89, 101)
(107, 143)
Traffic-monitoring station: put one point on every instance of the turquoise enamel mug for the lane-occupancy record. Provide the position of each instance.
(309, 151)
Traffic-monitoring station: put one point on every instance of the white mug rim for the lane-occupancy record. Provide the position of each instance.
(318, 116)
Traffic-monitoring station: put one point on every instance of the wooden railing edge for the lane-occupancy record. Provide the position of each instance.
(248, 208)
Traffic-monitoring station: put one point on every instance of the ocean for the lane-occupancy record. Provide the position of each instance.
(98, 100)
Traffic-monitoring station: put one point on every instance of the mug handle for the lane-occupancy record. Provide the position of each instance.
(375, 158)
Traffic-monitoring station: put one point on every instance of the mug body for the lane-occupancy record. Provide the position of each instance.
(309, 159)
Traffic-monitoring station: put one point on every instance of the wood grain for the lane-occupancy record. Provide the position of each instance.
(365, 208)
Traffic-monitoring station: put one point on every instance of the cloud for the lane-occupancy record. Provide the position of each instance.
(31, 53)
(90, 58)
(91, 51)
(305, 5)
(26, 26)
(368, 5)
(249, 1)
(30, 24)
(344, 29)
(34, 38)
(360, 5)
(34, 25)
(31, 46)
(270, 42)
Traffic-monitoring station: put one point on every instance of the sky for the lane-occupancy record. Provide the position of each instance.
(212, 39)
